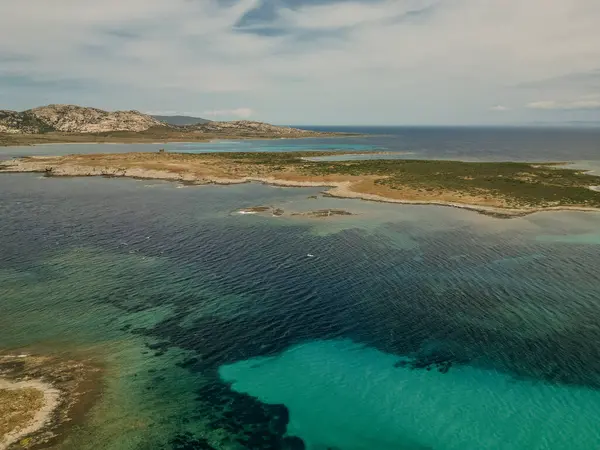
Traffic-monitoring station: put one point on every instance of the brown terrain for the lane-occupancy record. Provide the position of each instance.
(389, 181)
(42, 396)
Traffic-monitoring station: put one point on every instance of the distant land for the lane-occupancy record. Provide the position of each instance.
(181, 120)
(569, 124)
(72, 123)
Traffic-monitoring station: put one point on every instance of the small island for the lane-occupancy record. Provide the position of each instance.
(323, 213)
(279, 212)
(497, 188)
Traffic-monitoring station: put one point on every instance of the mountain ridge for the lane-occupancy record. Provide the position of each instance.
(73, 119)
(70, 119)
(71, 123)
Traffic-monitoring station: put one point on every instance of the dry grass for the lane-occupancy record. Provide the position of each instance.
(518, 186)
(157, 134)
(18, 408)
(102, 138)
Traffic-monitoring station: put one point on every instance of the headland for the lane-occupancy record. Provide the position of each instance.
(42, 396)
(497, 188)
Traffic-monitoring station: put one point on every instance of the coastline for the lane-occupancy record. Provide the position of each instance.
(41, 417)
(45, 396)
(30, 140)
(336, 188)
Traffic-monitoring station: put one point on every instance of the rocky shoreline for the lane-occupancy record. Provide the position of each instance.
(27, 407)
(279, 212)
(43, 397)
(50, 166)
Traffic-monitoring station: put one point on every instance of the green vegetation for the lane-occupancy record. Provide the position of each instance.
(495, 184)
(273, 158)
(518, 184)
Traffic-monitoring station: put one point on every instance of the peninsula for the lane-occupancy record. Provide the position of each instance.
(499, 188)
(71, 123)
(42, 396)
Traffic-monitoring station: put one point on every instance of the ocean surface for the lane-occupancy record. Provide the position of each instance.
(399, 327)
(476, 144)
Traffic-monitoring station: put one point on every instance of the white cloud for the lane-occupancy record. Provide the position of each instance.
(584, 104)
(544, 104)
(238, 112)
(347, 14)
(356, 61)
(499, 108)
(590, 102)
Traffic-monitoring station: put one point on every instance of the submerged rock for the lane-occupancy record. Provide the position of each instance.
(320, 213)
(244, 418)
(293, 443)
(187, 441)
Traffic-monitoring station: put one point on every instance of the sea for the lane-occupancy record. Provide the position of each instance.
(400, 327)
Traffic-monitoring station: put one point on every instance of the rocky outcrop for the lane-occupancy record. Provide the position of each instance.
(78, 119)
(81, 120)
(14, 122)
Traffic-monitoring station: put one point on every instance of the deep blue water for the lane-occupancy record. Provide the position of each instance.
(409, 327)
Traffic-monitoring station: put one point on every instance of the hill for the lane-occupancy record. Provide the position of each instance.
(22, 122)
(73, 119)
(71, 123)
(180, 120)
(250, 128)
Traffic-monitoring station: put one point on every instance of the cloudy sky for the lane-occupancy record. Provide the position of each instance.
(308, 61)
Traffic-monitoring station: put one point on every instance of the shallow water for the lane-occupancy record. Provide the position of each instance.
(411, 327)
(458, 143)
(366, 402)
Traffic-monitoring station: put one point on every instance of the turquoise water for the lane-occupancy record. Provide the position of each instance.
(410, 327)
(344, 395)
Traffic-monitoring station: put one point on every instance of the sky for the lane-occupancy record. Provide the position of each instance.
(329, 62)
